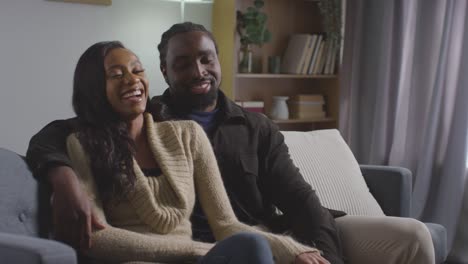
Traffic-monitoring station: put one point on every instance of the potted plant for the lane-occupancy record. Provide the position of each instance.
(251, 27)
(332, 19)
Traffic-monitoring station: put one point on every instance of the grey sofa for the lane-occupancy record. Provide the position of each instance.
(24, 211)
(24, 218)
(391, 187)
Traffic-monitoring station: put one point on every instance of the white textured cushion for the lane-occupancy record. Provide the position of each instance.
(329, 166)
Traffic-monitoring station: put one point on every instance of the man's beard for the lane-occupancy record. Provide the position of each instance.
(187, 102)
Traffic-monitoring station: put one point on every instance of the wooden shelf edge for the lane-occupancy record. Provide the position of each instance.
(286, 76)
(302, 121)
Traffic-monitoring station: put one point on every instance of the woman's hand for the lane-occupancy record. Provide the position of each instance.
(72, 216)
(310, 258)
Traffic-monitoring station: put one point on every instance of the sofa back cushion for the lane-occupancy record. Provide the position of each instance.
(329, 166)
(19, 194)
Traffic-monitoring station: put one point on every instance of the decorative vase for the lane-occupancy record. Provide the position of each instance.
(279, 108)
(246, 59)
(274, 64)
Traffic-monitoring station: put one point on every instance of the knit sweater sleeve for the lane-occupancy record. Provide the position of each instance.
(216, 205)
(120, 245)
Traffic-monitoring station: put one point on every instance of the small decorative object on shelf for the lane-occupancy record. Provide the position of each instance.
(274, 64)
(279, 109)
(245, 59)
(251, 27)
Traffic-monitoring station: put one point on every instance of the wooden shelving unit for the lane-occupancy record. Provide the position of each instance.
(285, 17)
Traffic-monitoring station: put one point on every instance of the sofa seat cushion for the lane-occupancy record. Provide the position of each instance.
(329, 166)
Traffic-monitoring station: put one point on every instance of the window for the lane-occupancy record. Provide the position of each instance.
(191, 6)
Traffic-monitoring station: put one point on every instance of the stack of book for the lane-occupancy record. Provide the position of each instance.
(310, 54)
(252, 106)
(307, 106)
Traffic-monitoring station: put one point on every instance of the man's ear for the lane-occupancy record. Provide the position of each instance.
(163, 71)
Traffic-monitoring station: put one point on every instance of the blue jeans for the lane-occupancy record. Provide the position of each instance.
(244, 248)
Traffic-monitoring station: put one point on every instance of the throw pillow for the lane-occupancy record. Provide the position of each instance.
(329, 166)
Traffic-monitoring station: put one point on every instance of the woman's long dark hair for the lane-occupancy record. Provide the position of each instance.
(103, 135)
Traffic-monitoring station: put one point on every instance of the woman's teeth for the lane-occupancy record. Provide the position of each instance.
(132, 93)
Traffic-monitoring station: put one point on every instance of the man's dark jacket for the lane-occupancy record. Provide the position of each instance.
(255, 165)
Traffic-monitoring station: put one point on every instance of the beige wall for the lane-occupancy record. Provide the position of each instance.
(40, 42)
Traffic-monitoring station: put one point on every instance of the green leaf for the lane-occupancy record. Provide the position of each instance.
(251, 25)
(251, 10)
(251, 28)
(259, 33)
(267, 36)
(256, 39)
(259, 4)
(250, 16)
(261, 18)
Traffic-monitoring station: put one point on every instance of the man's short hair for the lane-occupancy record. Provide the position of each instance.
(177, 29)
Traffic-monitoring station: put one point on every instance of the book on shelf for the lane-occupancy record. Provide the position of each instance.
(318, 57)
(308, 98)
(316, 48)
(334, 58)
(326, 69)
(312, 107)
(294, 56)
(318, 69)
(308, 115)
(252, 106)
(323, 57)
(308, 54)
(307, 106)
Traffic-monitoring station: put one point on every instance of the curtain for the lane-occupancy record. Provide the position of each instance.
(404, 100)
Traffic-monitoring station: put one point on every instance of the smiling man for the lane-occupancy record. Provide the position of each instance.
(255, 165)
(192, 70)
(254, 162)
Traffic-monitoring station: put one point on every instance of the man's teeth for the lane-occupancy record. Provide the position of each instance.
(132, 93)
(202, 85)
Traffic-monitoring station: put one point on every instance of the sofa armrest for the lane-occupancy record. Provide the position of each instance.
(391, 187)
(25, 249)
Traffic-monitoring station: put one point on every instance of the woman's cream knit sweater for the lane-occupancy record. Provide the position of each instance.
(152, 222)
